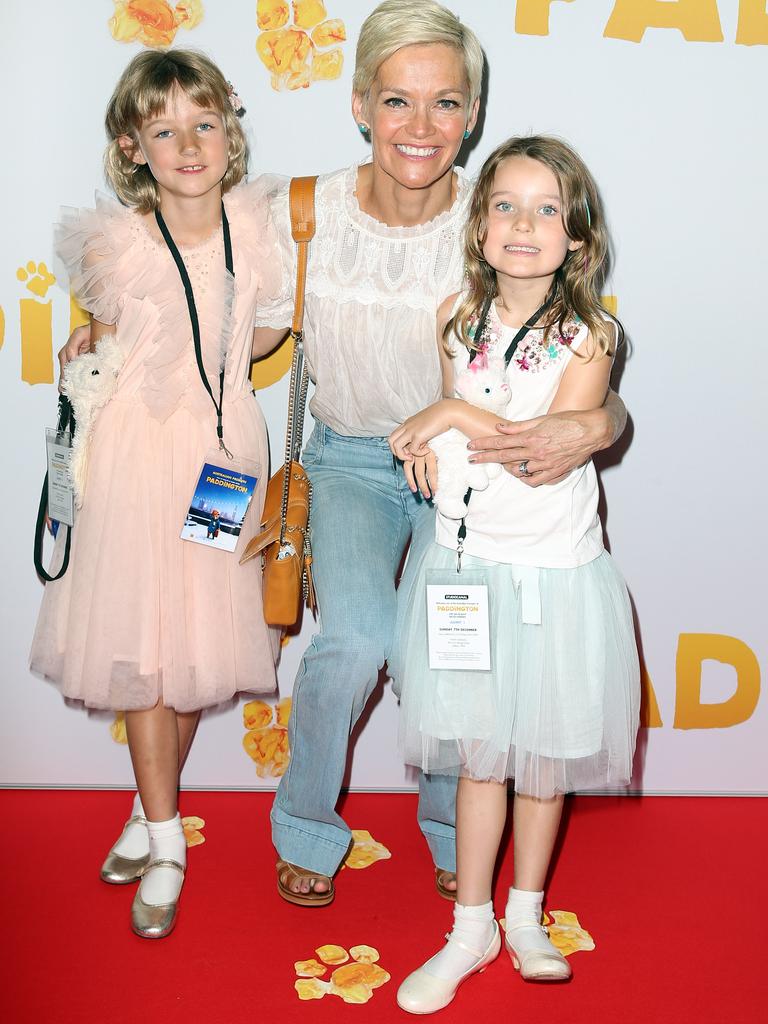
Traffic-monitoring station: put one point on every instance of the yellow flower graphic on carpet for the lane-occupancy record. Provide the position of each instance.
(303, 52)
(266, 741)
(153, 22)
(565, 932)
(193, 830)
(366, 850)
(353, 983)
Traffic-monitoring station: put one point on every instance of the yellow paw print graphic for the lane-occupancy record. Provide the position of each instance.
(353, 983)
(565, 932)
(303, 52)
(153, 22)
(36, 320)
(365, 851)
(37, 277)
(266, 739)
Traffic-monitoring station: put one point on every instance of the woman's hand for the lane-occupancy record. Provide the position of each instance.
(548, 447)
(421, 473)
(411, 438)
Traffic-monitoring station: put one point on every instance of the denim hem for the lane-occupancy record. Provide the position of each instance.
(308, 850)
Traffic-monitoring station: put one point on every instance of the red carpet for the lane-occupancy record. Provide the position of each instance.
(672, 890)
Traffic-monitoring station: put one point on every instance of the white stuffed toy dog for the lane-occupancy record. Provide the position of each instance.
(483, 383)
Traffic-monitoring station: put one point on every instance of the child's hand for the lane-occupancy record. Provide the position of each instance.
(421, 473)
(78, 342)
(411, 438)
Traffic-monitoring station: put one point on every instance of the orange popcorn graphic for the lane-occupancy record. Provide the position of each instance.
(293, 59)
(193, 830)
(309, 968)
(365, 851)
(566, 933)
(266, 741)
(329, 33)
(307, 13)
(332, 954)
(117, 729)
(272, 14)
(355, 982)
(153, 23)
(256, 714)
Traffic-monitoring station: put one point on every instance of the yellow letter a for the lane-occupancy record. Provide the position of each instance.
(698, 20)
(692, 650)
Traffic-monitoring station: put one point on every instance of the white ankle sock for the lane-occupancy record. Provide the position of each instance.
(135, 842)
(473, 927)
(166, 842)
(523, 916)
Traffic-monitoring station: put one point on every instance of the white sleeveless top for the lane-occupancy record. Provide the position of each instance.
(371, 304)
(555, 526)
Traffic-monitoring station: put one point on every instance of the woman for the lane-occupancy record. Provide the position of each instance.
(386, 253)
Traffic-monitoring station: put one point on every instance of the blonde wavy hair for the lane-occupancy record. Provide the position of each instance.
(575, 291)
(398, 23)
(142, 93)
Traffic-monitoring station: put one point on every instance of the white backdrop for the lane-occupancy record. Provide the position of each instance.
(671, 121)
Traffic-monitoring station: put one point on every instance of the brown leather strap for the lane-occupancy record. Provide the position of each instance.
(301, 198)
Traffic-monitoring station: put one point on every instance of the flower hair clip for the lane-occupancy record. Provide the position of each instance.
(235, 101)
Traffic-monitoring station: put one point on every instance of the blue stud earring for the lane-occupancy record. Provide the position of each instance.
(467, 133)
(363, 128)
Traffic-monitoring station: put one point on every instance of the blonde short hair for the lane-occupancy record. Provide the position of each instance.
(143, 92)
(398, 23)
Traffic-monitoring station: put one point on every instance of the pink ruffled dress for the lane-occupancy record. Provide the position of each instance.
(142, 615)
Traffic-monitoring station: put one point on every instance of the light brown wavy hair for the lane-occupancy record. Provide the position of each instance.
(143, 92)
(575, 291)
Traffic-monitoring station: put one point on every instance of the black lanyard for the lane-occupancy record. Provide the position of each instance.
(218, 406)
(511, 349)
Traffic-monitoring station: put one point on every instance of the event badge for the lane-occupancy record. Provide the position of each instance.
(220, 502)
(61, 498)
(458, 623)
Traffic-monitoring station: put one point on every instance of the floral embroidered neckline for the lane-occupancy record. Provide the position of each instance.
(540, 347)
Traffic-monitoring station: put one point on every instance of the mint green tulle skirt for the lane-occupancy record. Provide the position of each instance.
(557, 712)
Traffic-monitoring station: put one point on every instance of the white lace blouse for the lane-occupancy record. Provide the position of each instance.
(371, 301)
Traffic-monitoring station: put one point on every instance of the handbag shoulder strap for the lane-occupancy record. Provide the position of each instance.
(302, 205)
(301, 197)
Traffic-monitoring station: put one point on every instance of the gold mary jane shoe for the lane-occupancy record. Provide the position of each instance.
(155, 922)
(119, 870)
(424, 993)
(536, 964)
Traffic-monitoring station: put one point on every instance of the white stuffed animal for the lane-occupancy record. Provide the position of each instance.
(483, 383)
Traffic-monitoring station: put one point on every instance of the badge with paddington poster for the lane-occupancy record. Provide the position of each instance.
(218, 506)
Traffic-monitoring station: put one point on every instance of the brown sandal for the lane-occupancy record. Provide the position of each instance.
(441, 877)
(286, 872)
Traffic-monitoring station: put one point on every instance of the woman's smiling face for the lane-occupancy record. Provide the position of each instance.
(417, 111)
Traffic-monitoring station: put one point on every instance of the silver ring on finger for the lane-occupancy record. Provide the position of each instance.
(523, 468)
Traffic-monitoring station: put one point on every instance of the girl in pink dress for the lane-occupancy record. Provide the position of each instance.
(130, 625)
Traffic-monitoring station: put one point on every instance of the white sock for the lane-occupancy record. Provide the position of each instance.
(135, 841)
(166, 842)
(523, 916)
(473, 927)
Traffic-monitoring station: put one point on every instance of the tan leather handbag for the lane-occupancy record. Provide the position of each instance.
(284, 544)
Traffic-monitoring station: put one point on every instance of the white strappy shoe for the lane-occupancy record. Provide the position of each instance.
(424, 993)
(534, 963)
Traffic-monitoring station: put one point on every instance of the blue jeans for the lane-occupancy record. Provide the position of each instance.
(363, 515)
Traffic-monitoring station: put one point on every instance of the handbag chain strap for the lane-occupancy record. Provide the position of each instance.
(302, 206)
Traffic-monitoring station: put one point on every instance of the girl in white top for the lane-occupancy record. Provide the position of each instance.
(557, 708)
